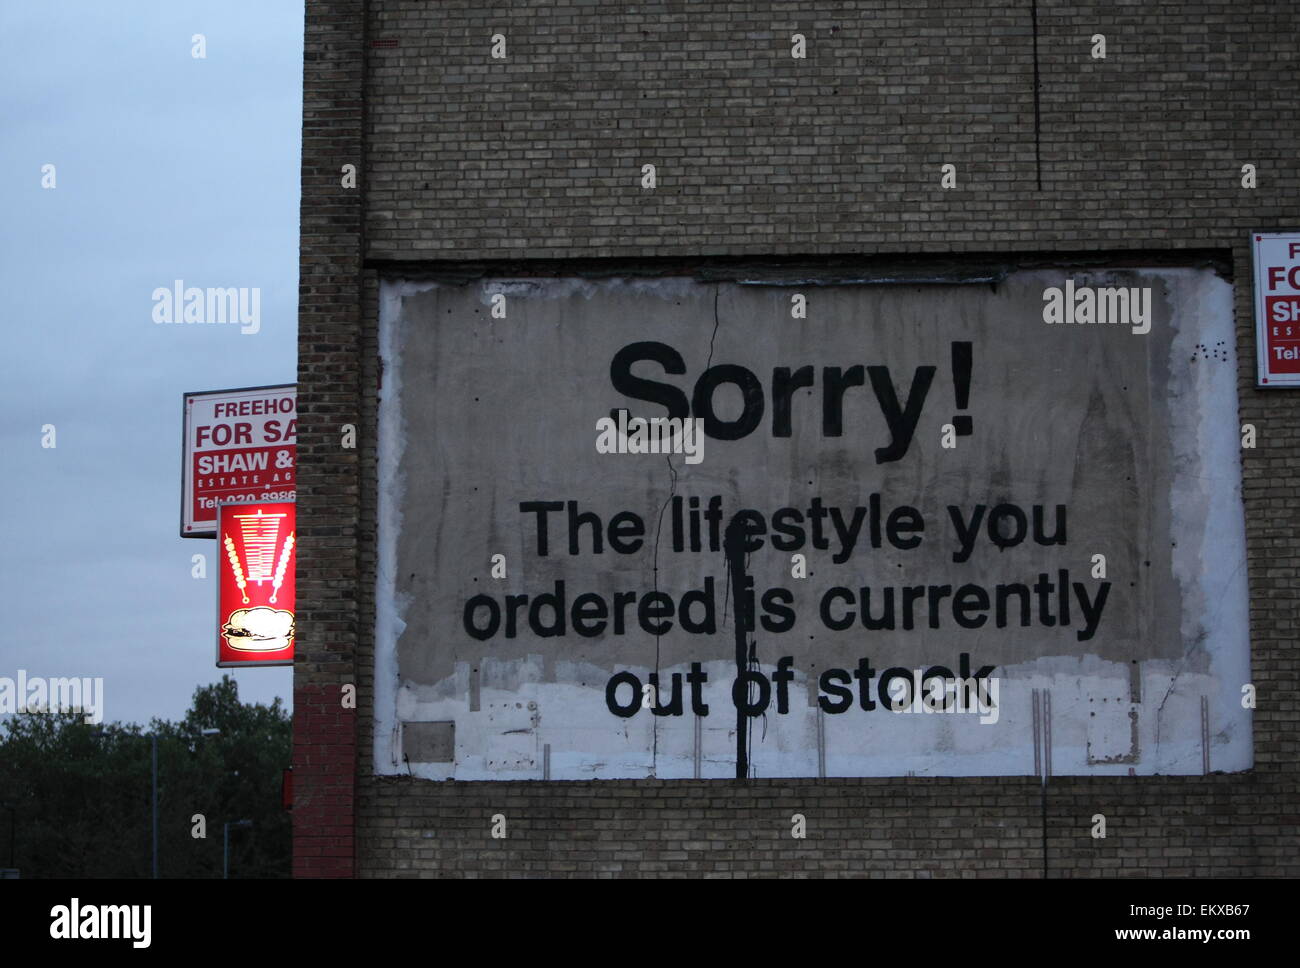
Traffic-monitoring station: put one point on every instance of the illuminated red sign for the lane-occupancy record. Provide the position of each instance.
(240, 447)
(257, 556)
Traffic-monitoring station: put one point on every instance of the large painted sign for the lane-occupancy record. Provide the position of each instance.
(675, 528)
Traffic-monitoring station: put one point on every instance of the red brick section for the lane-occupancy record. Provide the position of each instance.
(329, 299)
(325, 779)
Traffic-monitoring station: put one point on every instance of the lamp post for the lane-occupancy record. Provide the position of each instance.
(153, 738)
(225, 847)
(13, 813)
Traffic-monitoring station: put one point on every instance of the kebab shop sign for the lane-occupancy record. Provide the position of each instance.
(255, 584)
(240, 448)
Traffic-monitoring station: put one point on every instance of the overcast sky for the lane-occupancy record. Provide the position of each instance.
(168, 167)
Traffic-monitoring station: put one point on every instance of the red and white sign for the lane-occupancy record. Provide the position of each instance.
(1277, 307)
(257, 555)
(240, 447)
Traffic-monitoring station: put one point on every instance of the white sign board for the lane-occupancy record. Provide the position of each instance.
(240, 447)
(978, 496)
(1277, 307)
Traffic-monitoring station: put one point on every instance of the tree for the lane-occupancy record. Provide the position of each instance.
(82, 802)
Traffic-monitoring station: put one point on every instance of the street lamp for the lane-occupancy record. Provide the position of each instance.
(153, 737)
(225, 845)
(13, 813)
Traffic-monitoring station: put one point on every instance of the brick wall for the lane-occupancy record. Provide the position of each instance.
(462, 157)
(329, 313)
